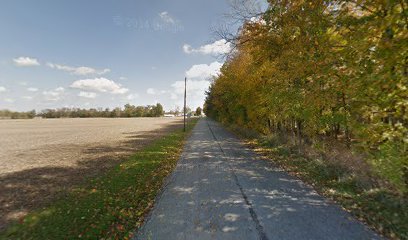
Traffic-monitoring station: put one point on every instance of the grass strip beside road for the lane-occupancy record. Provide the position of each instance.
(111, 206)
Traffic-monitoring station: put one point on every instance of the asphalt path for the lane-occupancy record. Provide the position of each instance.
(221, 190)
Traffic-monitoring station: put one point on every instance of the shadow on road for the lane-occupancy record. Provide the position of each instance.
(220, 189)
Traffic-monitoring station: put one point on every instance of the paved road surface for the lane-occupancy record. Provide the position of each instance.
(219, 190)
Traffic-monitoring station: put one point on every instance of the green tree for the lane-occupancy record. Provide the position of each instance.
(198, 111)
(157, 110)
(318, 69)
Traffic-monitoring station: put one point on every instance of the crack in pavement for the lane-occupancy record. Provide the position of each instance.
(252, 212)
(221, 190)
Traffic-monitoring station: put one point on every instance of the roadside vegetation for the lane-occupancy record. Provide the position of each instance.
(7, 114)
(323, 85)
(111, 206)
(127, 111)
(340, 175)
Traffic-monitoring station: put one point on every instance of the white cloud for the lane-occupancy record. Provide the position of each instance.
(132, 96)
(27, 97)
(215, 48)
(173, 96)
(193, 87)
(87, 94)
(32, 89)
(81, 71)
(197, 84)
(53, 95)
(187, 48)
(195, 92)
(9, 100)
(122, 78)
(204, 71)
(100, 85)
(165, 16)
(25, 62)
(152, 91)
(3, 89)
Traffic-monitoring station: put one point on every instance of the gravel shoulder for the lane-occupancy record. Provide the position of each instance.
(221, 190)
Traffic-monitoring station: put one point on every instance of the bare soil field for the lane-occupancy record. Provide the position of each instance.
(41, 159)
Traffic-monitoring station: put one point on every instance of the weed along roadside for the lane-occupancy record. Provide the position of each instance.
(357, 190)
(110, 206)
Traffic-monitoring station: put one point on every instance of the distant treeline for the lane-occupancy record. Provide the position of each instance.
(127, 111)
(17, 115)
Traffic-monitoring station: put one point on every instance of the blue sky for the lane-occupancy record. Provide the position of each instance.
(107, 53)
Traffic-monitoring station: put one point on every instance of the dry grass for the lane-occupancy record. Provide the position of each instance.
(44, 159)
(345, 177)
(112, 205)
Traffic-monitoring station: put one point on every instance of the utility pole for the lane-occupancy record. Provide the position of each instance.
(185, 100)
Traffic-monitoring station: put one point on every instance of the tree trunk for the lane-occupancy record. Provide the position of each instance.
(346, 127)
(299, 134)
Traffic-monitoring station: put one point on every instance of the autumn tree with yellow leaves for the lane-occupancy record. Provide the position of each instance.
(323, 69)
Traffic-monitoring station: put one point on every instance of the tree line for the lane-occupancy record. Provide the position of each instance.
(17, 115)
(126, 112)
(323, 69)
